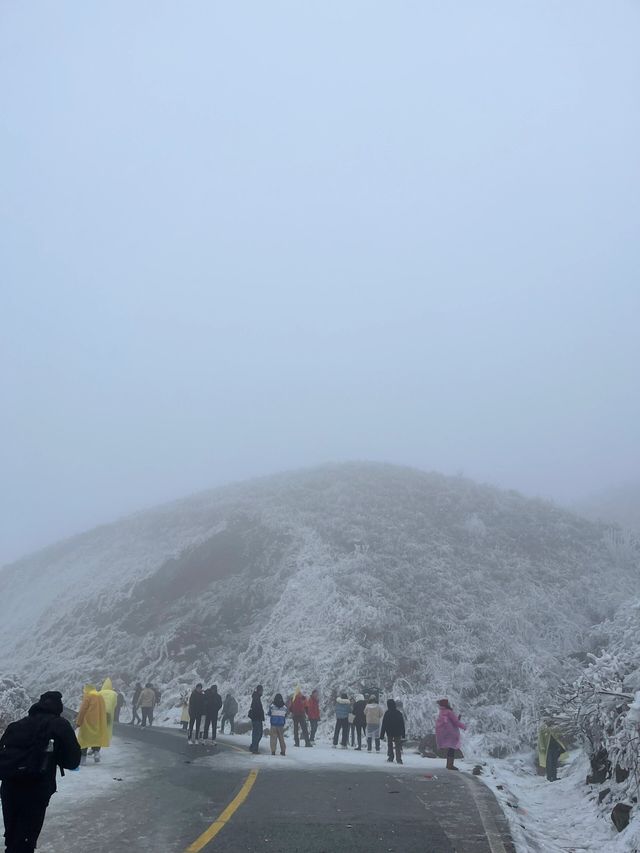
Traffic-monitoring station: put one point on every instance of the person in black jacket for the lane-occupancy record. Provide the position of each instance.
(393, 728)
(196, 710)
(135, 716)
(48, 737)
(359, 719)
(212, 705)
(256, 715)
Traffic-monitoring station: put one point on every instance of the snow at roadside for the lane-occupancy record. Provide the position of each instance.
(549, 817)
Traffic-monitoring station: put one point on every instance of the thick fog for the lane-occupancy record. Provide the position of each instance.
(242, 237)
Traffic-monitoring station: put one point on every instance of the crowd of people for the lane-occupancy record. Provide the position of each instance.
(32, 749)
(358, 721)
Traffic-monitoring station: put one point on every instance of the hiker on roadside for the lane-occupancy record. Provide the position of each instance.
(92, 724)
(147, 703)
(277, 716)
(212, 705)
(121, 702)
(341, 730)
(135, 717)
(448, 727)
(298, 709)
(256, 715)
(31, 750)
(196, 711)
(313, 713)
(184, 710)
(373, 716)
(229, 711)
(359, 718)
(393, 728)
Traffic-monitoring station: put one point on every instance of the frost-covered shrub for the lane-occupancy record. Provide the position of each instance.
(14, 702)
(602, 707)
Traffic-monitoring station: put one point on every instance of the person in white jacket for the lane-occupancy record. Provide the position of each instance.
(373, 714)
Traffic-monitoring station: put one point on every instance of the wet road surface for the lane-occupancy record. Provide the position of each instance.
(168, 795)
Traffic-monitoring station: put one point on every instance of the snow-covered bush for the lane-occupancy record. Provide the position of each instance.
(14, 702)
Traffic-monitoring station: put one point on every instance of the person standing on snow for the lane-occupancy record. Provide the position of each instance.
(343, 709)
(373, 716)
(92, 724)
(212, 705)
(147, 704)
(196, 710)
(298, 710)
(359, 719)
(229, 711)
(25, 796)
(256, 715)
(393, 728)
(313, 713)
(119, 706)
(135, 717)
(184, 711)
(448, 727)
(277, 717)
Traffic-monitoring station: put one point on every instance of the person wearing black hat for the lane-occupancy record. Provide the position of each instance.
(31, 750)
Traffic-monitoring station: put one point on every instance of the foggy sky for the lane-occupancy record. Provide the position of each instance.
(242, 237)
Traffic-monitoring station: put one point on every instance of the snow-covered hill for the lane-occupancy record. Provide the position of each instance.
(422, 584)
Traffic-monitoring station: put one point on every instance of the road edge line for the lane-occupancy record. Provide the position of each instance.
(493, 834)
(225, 816)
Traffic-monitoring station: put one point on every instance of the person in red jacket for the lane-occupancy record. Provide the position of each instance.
(313, 713)
(298, 710)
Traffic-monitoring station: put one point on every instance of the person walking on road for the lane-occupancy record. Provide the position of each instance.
(343, 709)
(196, 710)
(313, 713)
(277, 717)
(45, 740)
(448, 727)
(373, 716)
(359, 718)
(135, 717)
(212, 705)
(256, 715)
(393, 728)
(92, 724)
(148, 700)
(229, 711)
(298, 710)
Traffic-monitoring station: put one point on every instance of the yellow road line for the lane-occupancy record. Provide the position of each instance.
(225, 816)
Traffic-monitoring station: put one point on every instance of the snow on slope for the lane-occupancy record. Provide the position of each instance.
(420, 583)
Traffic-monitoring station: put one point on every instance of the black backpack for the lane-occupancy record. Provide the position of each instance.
(25, 751)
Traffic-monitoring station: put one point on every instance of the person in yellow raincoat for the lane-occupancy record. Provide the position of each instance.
(551, 750)
(92, 724)
(110, 701)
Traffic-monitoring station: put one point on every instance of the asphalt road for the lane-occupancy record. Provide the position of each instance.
(316, 803)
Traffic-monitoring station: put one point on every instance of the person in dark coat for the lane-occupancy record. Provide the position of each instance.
(359, 719)
(196, 711)
(212, 705)
(393, 728)
(229, 711)
(120, 703)
(256, 715)
(25, 798)
(135, 716)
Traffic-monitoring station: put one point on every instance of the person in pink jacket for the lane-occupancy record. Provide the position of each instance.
(448, 727)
